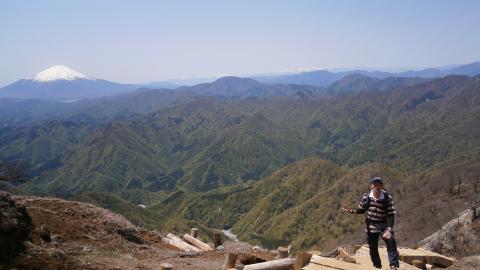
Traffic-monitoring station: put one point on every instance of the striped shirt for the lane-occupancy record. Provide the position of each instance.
(378, 218)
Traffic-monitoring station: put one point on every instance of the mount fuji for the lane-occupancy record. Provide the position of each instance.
(61, 83)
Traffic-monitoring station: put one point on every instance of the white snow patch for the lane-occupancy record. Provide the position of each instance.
(59, 72)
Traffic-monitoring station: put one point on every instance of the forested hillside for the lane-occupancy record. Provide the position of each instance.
(272, 166)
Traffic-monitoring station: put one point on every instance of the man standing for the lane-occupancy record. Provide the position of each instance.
(378, 205)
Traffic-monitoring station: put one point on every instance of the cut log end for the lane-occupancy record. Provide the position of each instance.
(230, 261)
(166, 266)
(194, 232)
(217, 238)
(282, 252)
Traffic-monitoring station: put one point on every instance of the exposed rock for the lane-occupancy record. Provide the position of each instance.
(57, 254)
(131, 235)
(467, 263)
(15, 227)
(459, 237)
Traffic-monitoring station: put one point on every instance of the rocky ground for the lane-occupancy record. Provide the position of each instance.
(467, 263)
(61, 234)
(74, 235)
(458, 238)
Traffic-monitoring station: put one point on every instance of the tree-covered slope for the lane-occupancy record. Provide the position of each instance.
(208, 142)
(299, 204)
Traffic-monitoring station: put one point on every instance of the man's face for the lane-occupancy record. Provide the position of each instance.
(376, 186)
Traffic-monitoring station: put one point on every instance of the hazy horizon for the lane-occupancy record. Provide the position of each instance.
(149, 41)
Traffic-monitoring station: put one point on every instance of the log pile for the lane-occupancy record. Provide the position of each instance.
(180, 244)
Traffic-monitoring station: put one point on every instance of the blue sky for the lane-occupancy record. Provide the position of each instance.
(144, 41)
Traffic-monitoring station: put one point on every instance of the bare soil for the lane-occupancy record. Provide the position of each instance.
(84, 236)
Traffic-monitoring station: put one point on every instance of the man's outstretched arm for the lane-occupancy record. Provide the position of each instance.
(361, 209)
(362, 206)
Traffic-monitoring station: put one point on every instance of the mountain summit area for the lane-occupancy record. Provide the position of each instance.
(61, 83)
(59, 72)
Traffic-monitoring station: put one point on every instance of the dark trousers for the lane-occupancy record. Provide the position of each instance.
(372, 239)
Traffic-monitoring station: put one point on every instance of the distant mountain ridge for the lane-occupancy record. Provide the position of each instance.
(231, 86)
(60, 83)
(358, 82)
(321, 78)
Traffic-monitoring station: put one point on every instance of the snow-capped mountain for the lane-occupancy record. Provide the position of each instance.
(59, 72)
(61, 83)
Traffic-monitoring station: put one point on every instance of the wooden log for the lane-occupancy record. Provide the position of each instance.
(217, 238)
(176, 244)
(230, 261)
(179, 243)
(196, 242)
(303, 258)
(166, 266)
(281, 264)
(282, 252)
(194, 232)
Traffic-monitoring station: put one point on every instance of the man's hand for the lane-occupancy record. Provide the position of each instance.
(387, 233)
(348, 209)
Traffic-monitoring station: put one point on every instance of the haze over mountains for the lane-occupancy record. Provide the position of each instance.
(261, 152)
(324, 77)
(60, 83)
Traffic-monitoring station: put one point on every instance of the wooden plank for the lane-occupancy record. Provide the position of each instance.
(313, 266)
(366, 263)
(365, 251)
(409, 255)
(333, 263)
(438, 259)
(363, 262)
